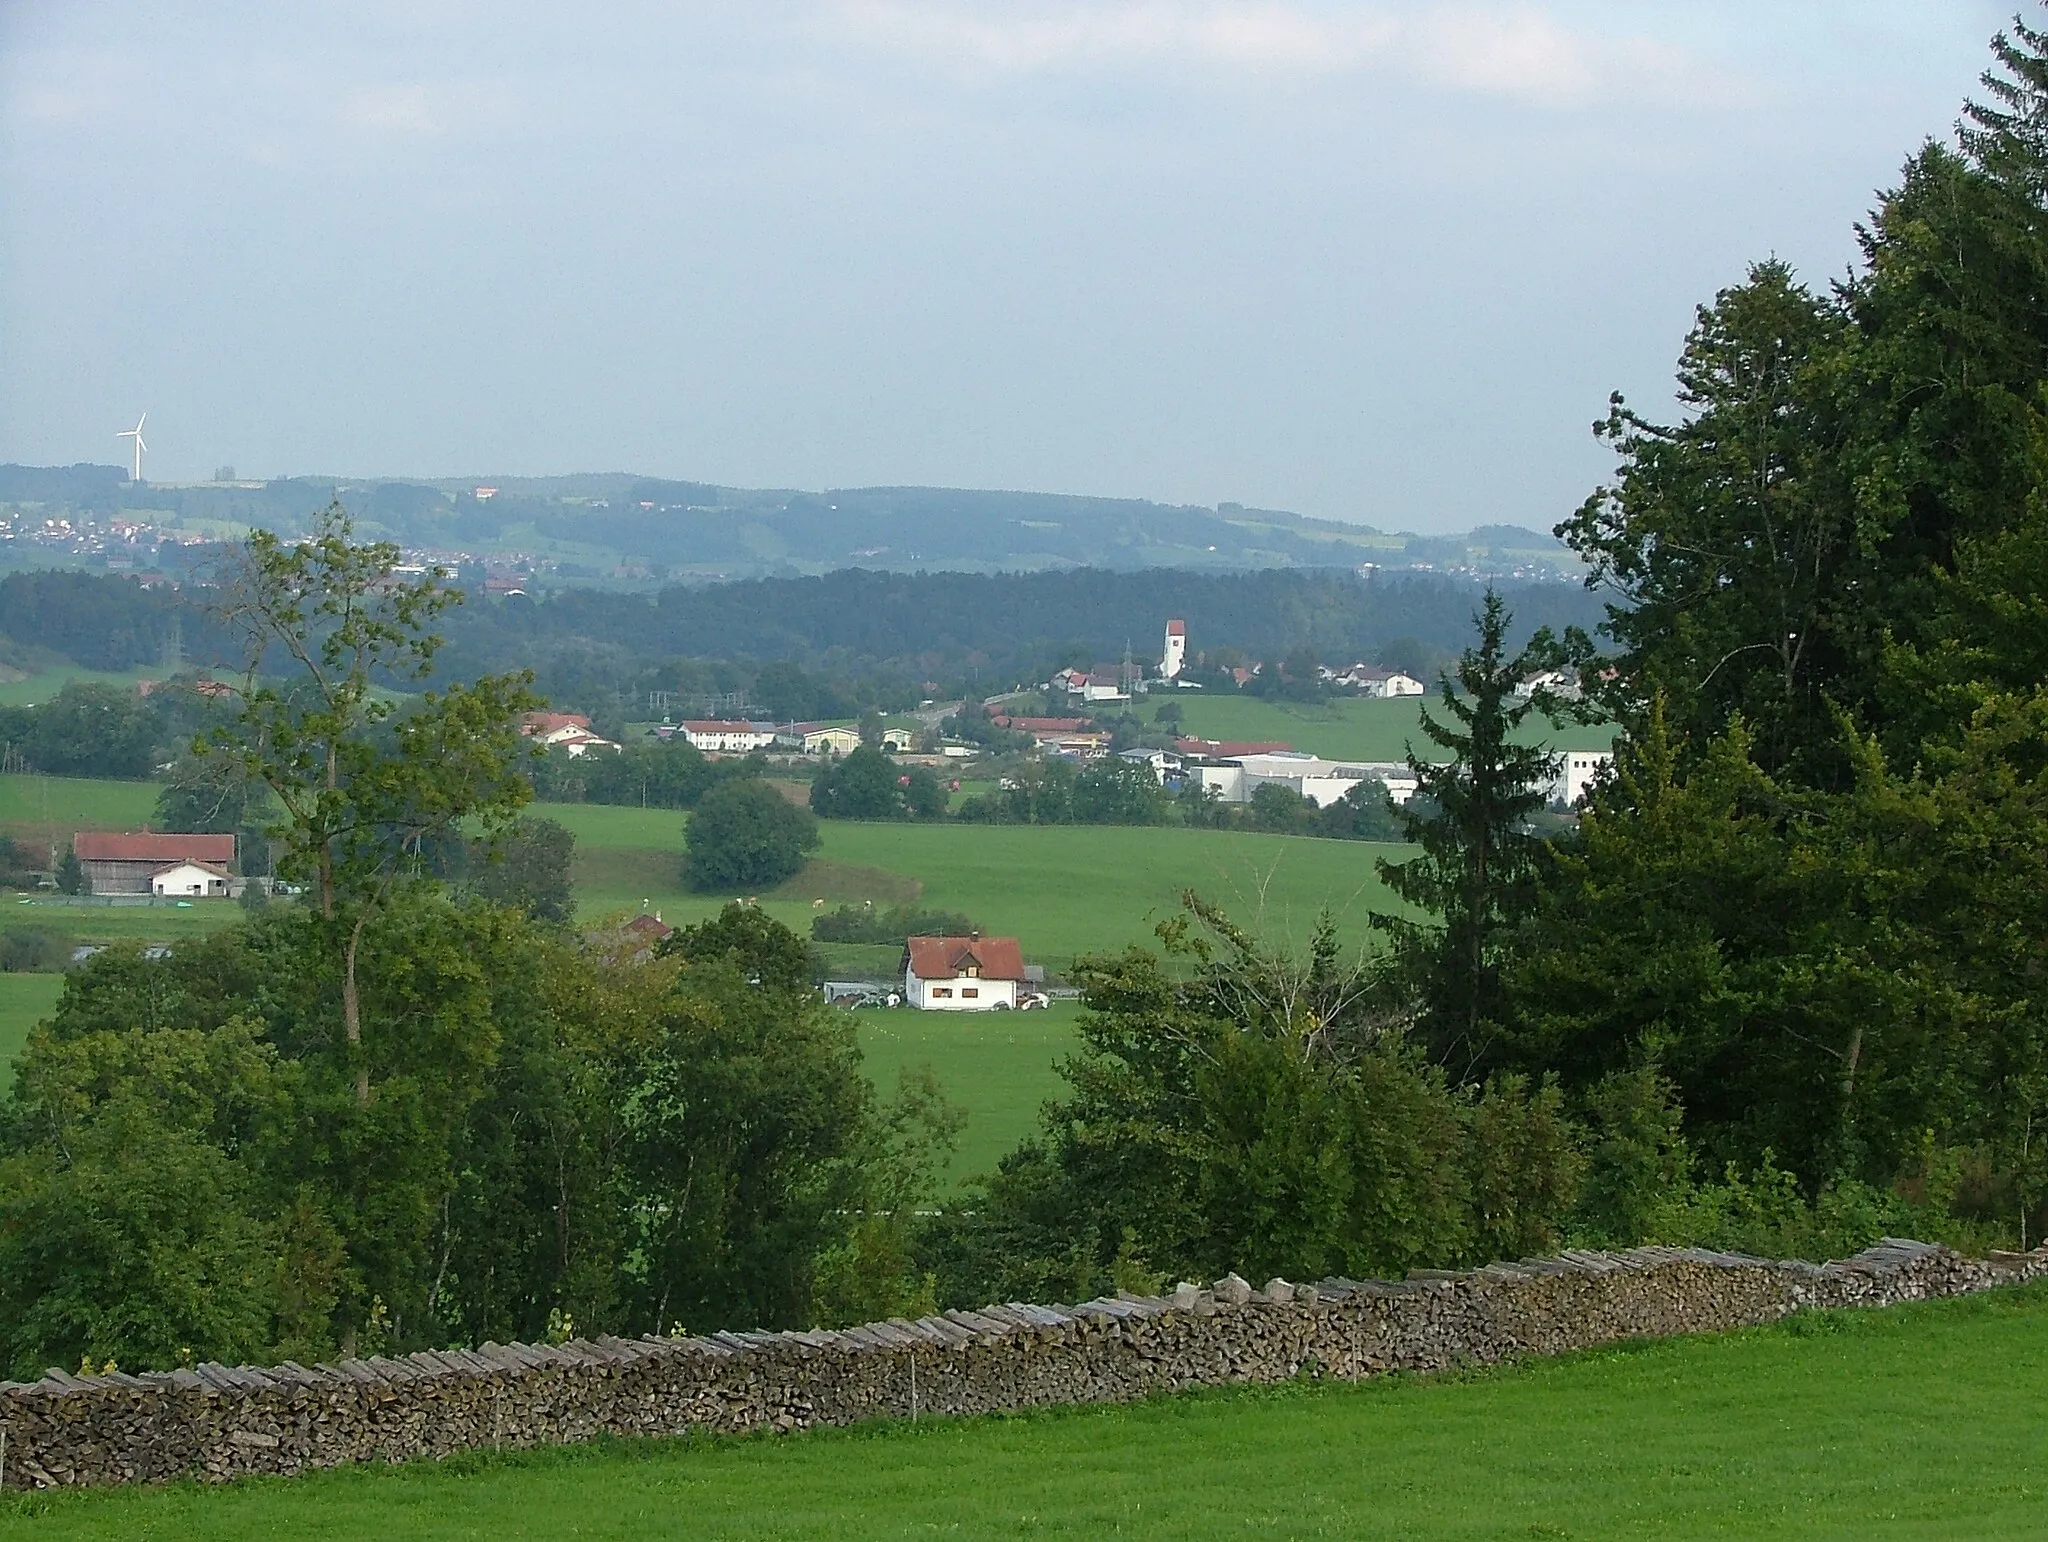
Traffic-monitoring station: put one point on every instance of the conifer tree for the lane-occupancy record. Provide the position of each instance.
(1476, 872)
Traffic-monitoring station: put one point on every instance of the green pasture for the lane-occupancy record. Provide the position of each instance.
(115, 923)
(1921, 1422)
(997, 1066)
(25, 1000)
(1346, 729)
(45, 683)
(46, 808)
(1062, 890)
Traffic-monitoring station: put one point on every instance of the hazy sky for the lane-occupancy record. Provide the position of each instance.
(1371, 261)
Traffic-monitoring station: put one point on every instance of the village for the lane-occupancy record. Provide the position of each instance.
(934, 973)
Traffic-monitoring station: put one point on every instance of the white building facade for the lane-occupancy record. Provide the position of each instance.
(962, 974)
(729, 738)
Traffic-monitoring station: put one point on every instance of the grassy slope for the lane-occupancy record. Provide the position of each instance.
(1062, 890)
(998, 1066)
(1922, 1422)
(43, 808)
(1347, 729)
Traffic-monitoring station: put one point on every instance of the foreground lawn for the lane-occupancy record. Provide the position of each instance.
(1347, 729)
(1922, 1422)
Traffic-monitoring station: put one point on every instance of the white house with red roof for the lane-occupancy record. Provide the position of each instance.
(962, 974)
(568, 731)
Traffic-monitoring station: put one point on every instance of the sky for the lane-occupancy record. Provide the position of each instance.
(1378, 262)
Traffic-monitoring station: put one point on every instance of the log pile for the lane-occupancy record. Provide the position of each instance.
(218, 1422)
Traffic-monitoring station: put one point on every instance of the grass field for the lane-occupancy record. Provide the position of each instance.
(1923, 1422)
(25, 1000)
(998, 1066)
(50, 808)
(43, 685)
(1347, 729)
(1061, 889)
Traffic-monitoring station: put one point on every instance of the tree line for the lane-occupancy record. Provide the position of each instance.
(1779, 988)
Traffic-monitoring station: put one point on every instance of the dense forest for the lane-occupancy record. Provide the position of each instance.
(1779, 988)
(880, 636)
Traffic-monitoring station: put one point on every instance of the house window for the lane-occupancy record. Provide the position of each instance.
(969, 995)
(942, 990)
(972, 971)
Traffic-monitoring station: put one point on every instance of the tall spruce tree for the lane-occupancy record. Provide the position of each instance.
(1476, 872)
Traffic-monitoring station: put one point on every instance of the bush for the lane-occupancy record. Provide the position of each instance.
(868, 785)
(31, 950)
(896, 924)
(746, 835)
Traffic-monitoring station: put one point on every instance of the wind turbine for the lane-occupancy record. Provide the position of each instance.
(135, 433)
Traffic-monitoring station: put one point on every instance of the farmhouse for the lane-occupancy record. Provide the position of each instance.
(962, 974)
(548, 727)
(129, 864)
(732, 737)
(191, 880)
(1380, 684)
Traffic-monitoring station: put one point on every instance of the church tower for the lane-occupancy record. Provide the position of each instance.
(1175, 658)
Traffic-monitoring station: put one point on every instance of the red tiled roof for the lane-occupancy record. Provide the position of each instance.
(1176, 629)
(147, 846)
(943, 958)
(548, 722)
(649, 924)
(719, 726)
(210, 867)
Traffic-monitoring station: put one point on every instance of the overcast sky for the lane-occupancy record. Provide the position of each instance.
(1379, 262)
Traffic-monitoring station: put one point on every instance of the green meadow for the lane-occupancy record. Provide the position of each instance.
(44, 684)
(51, 808)
(1062, 890)
(1923, 1422)
(996, 1066)
(1348, 728)
(25, 1000)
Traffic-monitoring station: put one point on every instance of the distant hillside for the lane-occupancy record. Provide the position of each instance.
(616, 529)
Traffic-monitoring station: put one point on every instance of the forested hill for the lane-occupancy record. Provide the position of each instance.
(961, 629)
(616, 529)
(1010, 624)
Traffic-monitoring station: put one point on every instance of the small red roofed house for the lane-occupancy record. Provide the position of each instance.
(652, 928)
(129, 864)
(962, 974)
(547, 726)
